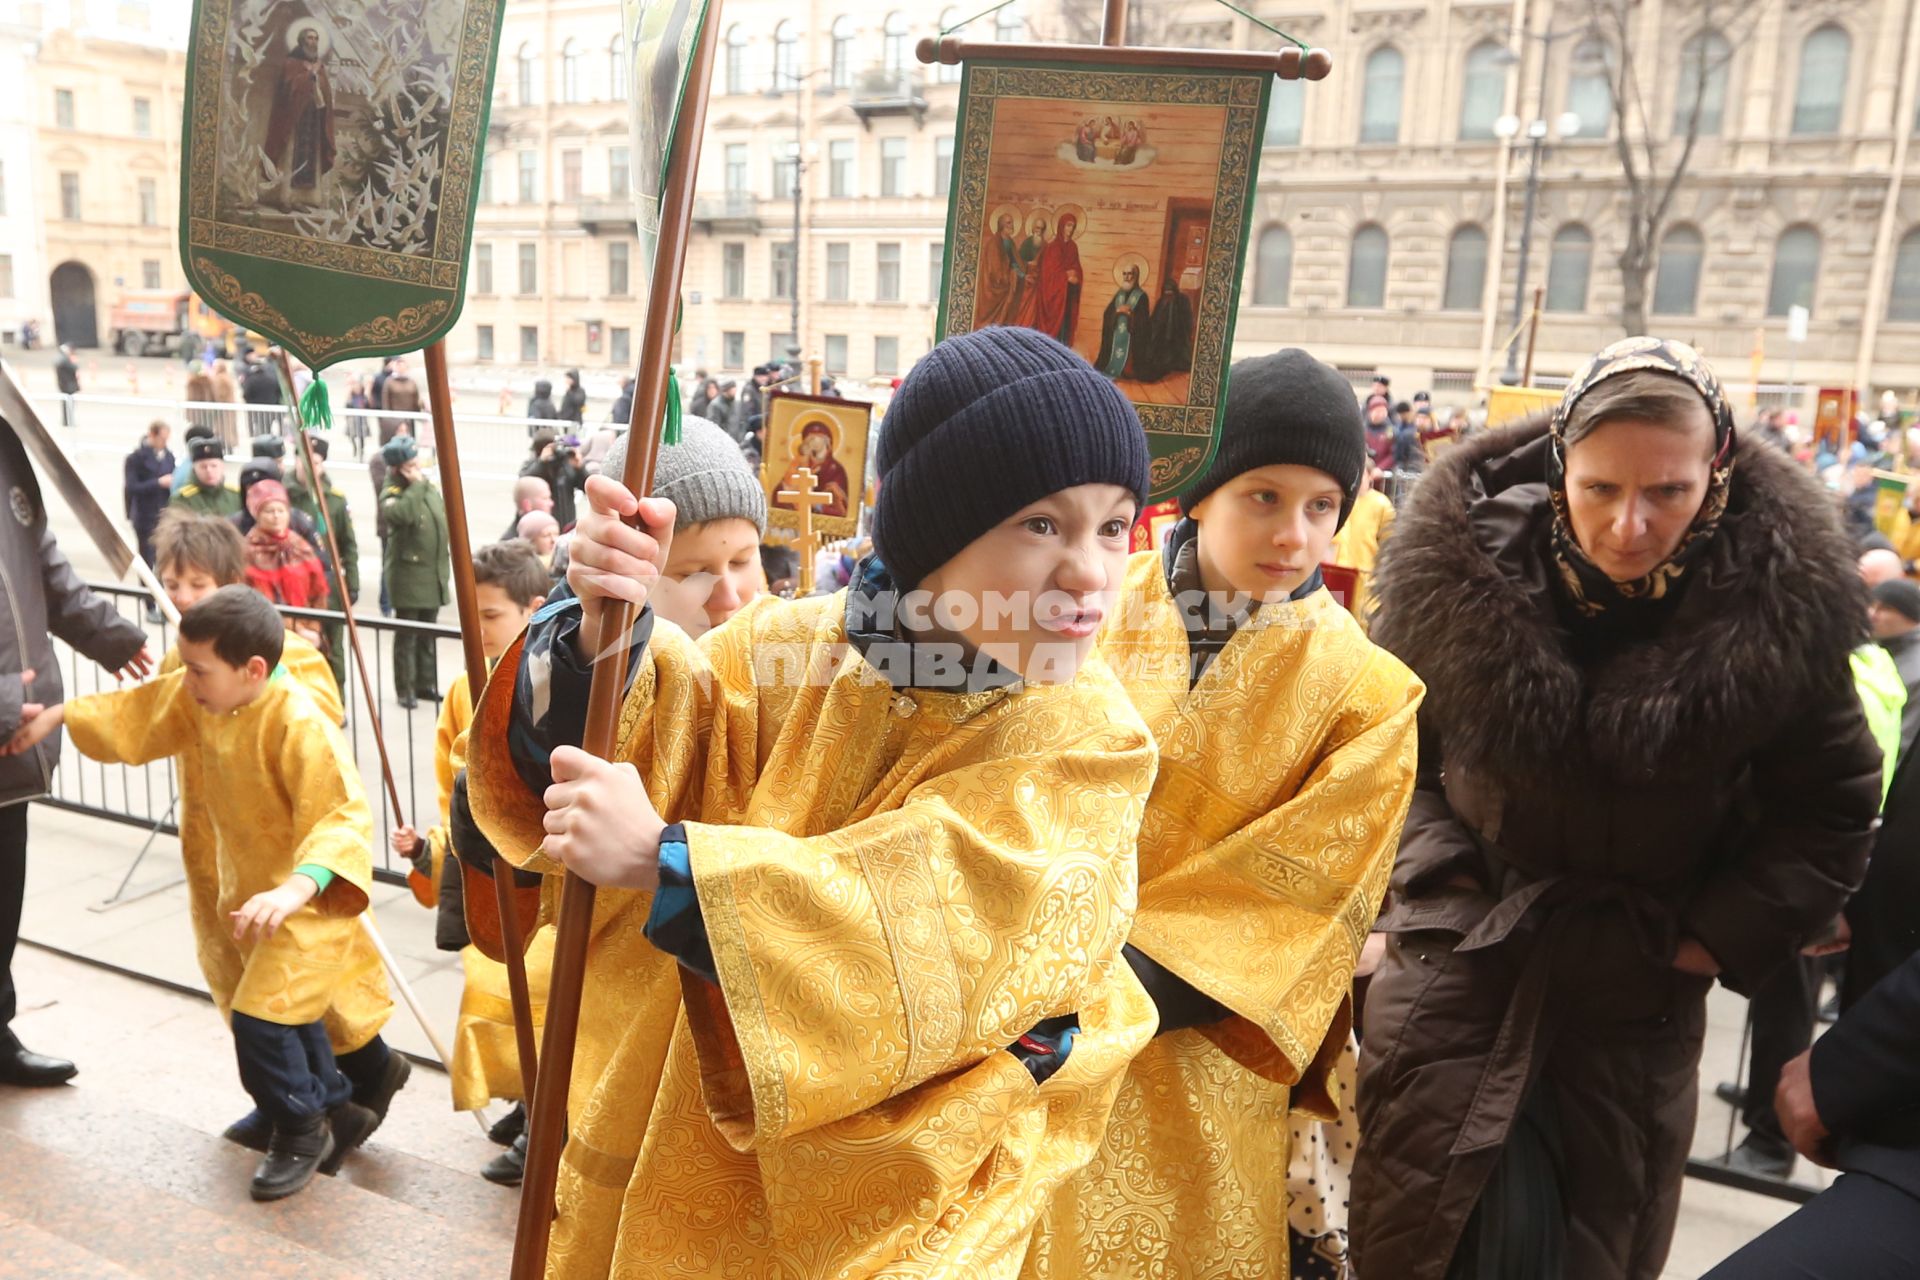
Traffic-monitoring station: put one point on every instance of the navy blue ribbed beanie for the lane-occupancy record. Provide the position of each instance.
(986, 423)
(1288, 408)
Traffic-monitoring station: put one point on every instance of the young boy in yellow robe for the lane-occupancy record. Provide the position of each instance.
(1286, 745)
(881, 842)
(196, 556)
(292, 835)
(509, 584)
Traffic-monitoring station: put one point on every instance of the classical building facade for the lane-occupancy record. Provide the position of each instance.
(104, 108)
(1388, 227)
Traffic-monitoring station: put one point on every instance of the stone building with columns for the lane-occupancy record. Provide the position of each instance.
(1389, 221)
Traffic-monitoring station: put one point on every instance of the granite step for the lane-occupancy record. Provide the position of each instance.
(116, 1171)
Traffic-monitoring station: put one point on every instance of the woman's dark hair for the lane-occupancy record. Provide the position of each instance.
(1644, 395)
(240, 622)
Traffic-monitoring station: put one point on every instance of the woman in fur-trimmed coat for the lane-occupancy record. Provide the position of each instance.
(1642, 766)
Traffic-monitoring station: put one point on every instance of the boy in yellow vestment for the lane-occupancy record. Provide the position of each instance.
(881, 842)
(1286, 746)
(292, 834)
(196, 556)
(509, 584)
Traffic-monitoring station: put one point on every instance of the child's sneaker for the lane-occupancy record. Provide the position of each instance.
(294, 1154)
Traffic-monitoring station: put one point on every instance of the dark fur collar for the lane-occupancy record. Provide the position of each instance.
(1768, 617)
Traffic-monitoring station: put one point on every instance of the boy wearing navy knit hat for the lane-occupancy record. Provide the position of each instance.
(881, 842)
(1286, 746)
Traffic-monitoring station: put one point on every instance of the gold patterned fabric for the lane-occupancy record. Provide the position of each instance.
(362, 1003)
(1285, 774)
(485, 1057)
(896, 885)
(281, 791)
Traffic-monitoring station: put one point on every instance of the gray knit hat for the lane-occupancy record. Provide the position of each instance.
(705, 476)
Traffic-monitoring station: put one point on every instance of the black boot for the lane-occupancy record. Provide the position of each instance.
(509, 1126)
(252, 1130)
(19, 1065)
(377, 1094)
(351, 1124)
(293, 1156)
(510, 1166)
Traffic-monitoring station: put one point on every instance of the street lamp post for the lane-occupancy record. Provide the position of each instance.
(794, 81)
(1507, 127)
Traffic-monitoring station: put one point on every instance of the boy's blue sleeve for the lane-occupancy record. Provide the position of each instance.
(550, 688)
(675, 924)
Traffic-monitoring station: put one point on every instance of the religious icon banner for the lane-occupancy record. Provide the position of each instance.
(1109, 208)
(827, 436)
(332, 163)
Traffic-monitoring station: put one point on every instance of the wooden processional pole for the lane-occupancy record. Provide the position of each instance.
(466, 601)
(547, 1117)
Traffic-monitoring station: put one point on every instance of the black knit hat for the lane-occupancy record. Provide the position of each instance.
(986, 423)
(1288, 408)
(1900, 595)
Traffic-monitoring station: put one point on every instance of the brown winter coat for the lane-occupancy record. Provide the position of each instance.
(1716, 781)
(401, 394)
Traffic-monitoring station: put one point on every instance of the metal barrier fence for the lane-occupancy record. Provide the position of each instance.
(144, 796)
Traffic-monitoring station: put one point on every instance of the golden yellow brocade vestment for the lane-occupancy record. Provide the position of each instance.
(896, 885)
(485, 1056)
(361, 1003)
(281, 790)
(1285, 774)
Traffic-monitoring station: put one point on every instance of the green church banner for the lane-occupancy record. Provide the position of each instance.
(332, 164)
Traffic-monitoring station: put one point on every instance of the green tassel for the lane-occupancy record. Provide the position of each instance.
(670, 428)
(315, 410)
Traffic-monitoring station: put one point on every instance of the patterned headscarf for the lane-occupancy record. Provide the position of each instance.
(1589, 589)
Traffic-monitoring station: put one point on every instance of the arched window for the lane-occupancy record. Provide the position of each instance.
(1286, 110)
(737, 58)
(1466, 269)
(1905, 302)
(1676, 277)
(1367, 268)
(1796, 264)
(1485, 91)
(569, 72)
(894, 47)
(786, 43)
(1703, 81)
(1590, 87)
(842, 66)
(1273, 268)
(1009, 24)
(949, 73)
(1823, 81)
(617, 69)
(1568, 268)
(524, 74)
(1381, 86)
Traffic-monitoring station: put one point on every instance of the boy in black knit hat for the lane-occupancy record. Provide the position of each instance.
(1286, 746)
(881, 842)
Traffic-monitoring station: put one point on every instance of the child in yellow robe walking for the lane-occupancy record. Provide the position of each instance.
(196, 556)
(292, 835)
(882, 841)
(1286, 745)
(510, 583)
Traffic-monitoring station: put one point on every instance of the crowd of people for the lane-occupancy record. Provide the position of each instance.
(1032, 906)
